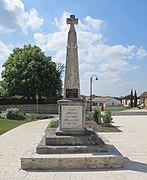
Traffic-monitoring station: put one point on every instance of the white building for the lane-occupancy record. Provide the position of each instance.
(126, 100)
(106, 102)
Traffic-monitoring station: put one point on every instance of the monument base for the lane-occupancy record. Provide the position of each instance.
(72, 152)
(71, 117)
(83, 143)
(73, 132)
(111, 159)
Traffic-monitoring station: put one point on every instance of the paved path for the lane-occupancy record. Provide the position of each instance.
(132, 143)
(131, 112)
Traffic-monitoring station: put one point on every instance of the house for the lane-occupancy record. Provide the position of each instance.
(126, 100)
(143, 98)
(106, 101)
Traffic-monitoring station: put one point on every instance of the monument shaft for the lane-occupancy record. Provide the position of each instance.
(71, 83)
(71, 107)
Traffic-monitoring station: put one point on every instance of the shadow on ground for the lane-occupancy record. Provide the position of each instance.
(134, 165)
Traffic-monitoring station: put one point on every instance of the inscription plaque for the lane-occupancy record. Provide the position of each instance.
(72, 117)
(71, 93)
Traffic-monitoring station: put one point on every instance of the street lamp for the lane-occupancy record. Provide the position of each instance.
(96, 78)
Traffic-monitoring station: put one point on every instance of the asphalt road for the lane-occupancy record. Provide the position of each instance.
(129, 113)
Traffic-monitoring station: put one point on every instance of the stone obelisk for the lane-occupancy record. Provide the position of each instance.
(71, 107)
(72, 84)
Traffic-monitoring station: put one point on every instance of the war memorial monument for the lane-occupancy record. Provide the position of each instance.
(71, 145)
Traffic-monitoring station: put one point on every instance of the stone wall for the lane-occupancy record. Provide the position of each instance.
(42, 108)
(32, 108)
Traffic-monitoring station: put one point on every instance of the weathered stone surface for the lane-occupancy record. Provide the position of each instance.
(69, 149)
(91, 138)
(31, 108)
(105, 160)
(71, 82)
(71, 116)
(54, 144)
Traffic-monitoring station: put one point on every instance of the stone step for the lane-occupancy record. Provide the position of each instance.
(43, 149)
(73, 140)
(34, 161)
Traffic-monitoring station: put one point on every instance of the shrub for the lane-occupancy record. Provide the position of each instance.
(14, 113)
(54, 123)
(97, 115)
(89, 116)
(107, 119)
(41, 116)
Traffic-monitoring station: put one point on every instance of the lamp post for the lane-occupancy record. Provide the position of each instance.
(37, 102)
(96, 78)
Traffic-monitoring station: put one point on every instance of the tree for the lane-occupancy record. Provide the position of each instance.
(135, 99)
(28, 72)
(131, 98)
(60, 67)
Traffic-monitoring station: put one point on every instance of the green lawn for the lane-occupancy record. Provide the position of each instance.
(8, 124)
(119, 108)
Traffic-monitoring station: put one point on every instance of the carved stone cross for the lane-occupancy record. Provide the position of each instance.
(72, 20)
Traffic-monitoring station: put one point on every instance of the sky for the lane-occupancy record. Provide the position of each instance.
(112, 39)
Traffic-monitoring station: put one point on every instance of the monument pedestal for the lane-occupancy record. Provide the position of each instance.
(71, 117)
(71, 136)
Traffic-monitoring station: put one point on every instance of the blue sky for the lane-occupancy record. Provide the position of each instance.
(112, 38)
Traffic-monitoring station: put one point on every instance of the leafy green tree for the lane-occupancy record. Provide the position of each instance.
(135, 99)
(131, 98)
(28, 72)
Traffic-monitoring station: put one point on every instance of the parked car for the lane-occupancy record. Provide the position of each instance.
(140, 106)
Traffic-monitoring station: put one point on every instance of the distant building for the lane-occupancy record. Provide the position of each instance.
(101, 101)
(143, 98)
(126, 100)
(106, 101)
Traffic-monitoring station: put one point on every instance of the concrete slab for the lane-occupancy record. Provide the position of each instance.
(33, 161)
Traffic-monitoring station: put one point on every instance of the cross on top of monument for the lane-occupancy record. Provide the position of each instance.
(72, 20)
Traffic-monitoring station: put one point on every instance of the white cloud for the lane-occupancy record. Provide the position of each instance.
(86, 66)
(34, 21)
(103, 52)
(59, 57)
(13, 16)
(4, 50)
(12, 5)
(94, 23)
(109, 62)
(4, 53)
(61, 22)
(57, 41)
(141, 53)
(40, 38)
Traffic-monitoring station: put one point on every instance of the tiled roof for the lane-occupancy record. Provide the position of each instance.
(144, 95)
(101, 99)
(127, 97)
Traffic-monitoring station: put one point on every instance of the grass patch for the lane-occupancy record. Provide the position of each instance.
(8, 124)
(119, 108)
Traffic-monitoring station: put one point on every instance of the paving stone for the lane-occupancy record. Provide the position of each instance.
(134, 168)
